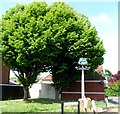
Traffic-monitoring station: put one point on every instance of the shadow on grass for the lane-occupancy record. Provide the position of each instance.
(43, 101)
(48, 101)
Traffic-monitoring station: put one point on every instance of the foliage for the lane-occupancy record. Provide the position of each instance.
(36, 36)
(114, 85)
(0, 27)
(108, 73)
(22, 41)
(0, 37)
(70, 36)
(113, 89)
(114, 78)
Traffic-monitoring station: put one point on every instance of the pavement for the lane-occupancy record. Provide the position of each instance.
(113, 106)
(114, 100)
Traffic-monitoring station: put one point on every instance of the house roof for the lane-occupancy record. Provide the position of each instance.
(47, 78)
(98, 76)
(99, 69)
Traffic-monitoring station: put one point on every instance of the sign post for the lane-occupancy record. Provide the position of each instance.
(83, 62)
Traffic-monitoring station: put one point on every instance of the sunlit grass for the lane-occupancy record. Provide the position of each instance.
(34, 105)
(39, 105)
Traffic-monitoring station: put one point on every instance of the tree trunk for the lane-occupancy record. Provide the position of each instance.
(57, 93)
(26, 93)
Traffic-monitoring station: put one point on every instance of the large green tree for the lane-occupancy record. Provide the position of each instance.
(69, 36)
(22, 42)
(0, 27)
(37, 36)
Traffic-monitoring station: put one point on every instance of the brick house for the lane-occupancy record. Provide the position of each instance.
(94, 88)
(4, 73)
(9, 90)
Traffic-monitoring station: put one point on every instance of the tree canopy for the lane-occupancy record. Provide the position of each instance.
(22, 41)
(37, 36)
(69, 36)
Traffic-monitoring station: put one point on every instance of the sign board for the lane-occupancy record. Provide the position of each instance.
(82, 61)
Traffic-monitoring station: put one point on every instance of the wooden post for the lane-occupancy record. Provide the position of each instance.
(106, 101)
(62, 107)
(69, 104)
(78, 107)
(93, 106)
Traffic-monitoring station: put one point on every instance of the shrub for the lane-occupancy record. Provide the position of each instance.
(114, 85)
(113, 89)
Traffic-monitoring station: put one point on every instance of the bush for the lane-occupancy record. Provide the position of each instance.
(113, 89)
(114, 85)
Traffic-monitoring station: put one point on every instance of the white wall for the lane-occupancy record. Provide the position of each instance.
(35, 90)
(42, 90)
(47, 91)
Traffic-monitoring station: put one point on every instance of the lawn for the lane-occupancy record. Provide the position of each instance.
(34, 105)
(38, 105)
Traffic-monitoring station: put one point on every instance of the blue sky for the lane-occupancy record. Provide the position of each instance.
(103, 15)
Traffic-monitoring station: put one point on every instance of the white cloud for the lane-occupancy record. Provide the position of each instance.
(110, 42)
(108, 32)
(111, 56)
(102, 18)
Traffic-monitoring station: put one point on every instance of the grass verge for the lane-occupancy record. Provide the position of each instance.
(39, 105)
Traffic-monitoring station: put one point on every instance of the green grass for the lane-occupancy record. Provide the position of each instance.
(39, 105)
(35, 105)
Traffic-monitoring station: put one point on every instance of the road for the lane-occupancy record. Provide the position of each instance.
(114, 100)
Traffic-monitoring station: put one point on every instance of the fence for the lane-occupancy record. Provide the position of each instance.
(63, 104)
(94, 89)
(11, 92)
